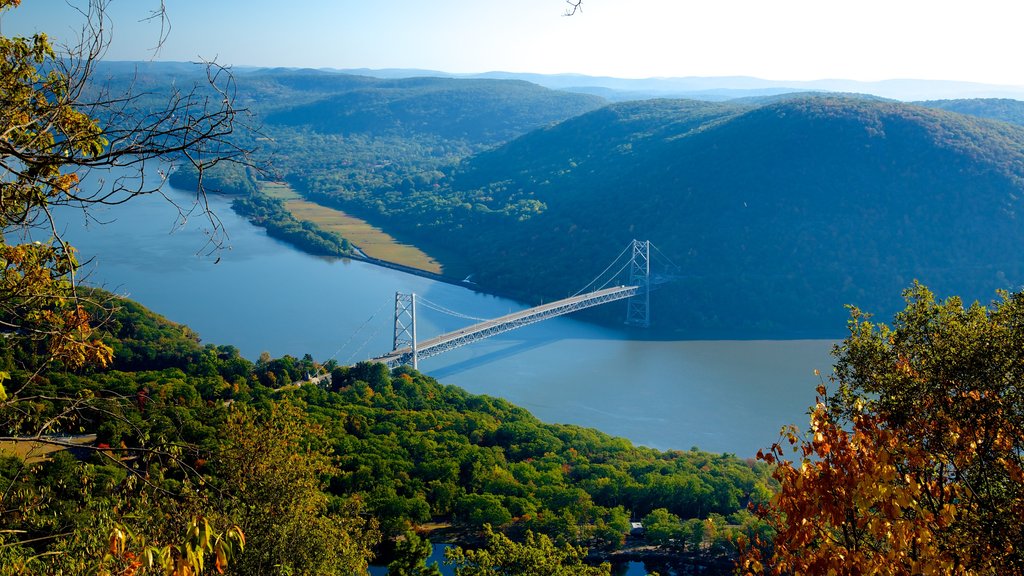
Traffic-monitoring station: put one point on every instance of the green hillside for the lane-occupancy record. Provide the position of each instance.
(314, 125)
(1004, 109)
(475, 111)
(778, 215)
(778, 211)
(321, 479)
(329, 134)
(342, 133)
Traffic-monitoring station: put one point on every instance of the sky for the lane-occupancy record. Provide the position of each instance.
(866, 40)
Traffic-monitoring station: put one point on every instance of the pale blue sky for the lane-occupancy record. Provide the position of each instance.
(976, 40)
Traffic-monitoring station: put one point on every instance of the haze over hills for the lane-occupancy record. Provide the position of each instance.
(726, 87)
(715, 88)
(1004, 109)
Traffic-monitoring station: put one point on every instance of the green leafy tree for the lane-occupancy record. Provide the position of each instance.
(477, 510)
(272, 465)
(57, 123)
(411, 553)
(537, 555)
(663, 527)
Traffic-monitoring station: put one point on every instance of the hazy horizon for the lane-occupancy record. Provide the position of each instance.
(798, 41)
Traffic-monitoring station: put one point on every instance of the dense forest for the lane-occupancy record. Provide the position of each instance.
(324, 131)
(390, 450)
(1003, 109)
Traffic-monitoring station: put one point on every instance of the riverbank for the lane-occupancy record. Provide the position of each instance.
(408, 259)
(264, 295)
(361, 256)
(710, 560)
(372, 241)
(635, 556)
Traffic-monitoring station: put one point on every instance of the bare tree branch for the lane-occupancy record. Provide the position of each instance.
(60, 121)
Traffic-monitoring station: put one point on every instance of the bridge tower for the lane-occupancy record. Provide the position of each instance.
(405, 324)
(638, 307)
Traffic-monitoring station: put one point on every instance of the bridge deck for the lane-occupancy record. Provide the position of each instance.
(487, 328)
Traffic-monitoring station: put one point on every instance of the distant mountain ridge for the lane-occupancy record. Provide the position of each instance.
(477, 110)
(714, 88)
(1003, 109)
(727, 87)
(620, 89)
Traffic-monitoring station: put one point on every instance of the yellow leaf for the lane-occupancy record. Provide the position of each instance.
(222, 560)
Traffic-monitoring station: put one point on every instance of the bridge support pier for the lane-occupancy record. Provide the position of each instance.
(638, 307)
(405, 325)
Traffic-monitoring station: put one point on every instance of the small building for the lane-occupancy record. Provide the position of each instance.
(636, 529)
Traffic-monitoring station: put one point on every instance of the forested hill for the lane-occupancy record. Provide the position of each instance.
(778, 215)
(327, 132)
(174, 429)
(326, 129)
(1005, 109)
(476, 111)
(331, 131)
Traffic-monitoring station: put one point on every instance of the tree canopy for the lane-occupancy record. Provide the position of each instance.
(537, 556)
(915, 463)
(57, 125)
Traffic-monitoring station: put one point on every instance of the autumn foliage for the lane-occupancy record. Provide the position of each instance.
(914, 465)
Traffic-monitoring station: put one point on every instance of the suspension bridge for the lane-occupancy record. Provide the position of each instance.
(407, 349)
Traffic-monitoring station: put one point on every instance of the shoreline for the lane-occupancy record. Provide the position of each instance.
(360, 256)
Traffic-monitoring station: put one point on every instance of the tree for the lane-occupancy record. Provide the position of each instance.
(915, 464)
(58, 123)
(537, 556)
(271, 467)
(411, 554)
(662, 527)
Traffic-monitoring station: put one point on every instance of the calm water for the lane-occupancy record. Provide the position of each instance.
(721, 396)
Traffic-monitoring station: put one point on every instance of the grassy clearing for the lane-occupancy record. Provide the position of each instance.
(31, 451)
(370, 239)
(279, 190)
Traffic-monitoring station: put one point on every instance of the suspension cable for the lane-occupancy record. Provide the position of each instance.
(670, 262)
(614, 276)
(438, 308)
(363, 345)
(357, 331)
(598, 277)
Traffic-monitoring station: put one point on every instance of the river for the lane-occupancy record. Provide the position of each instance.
(262, 295)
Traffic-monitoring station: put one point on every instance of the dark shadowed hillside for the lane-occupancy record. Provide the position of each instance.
(778, 215)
